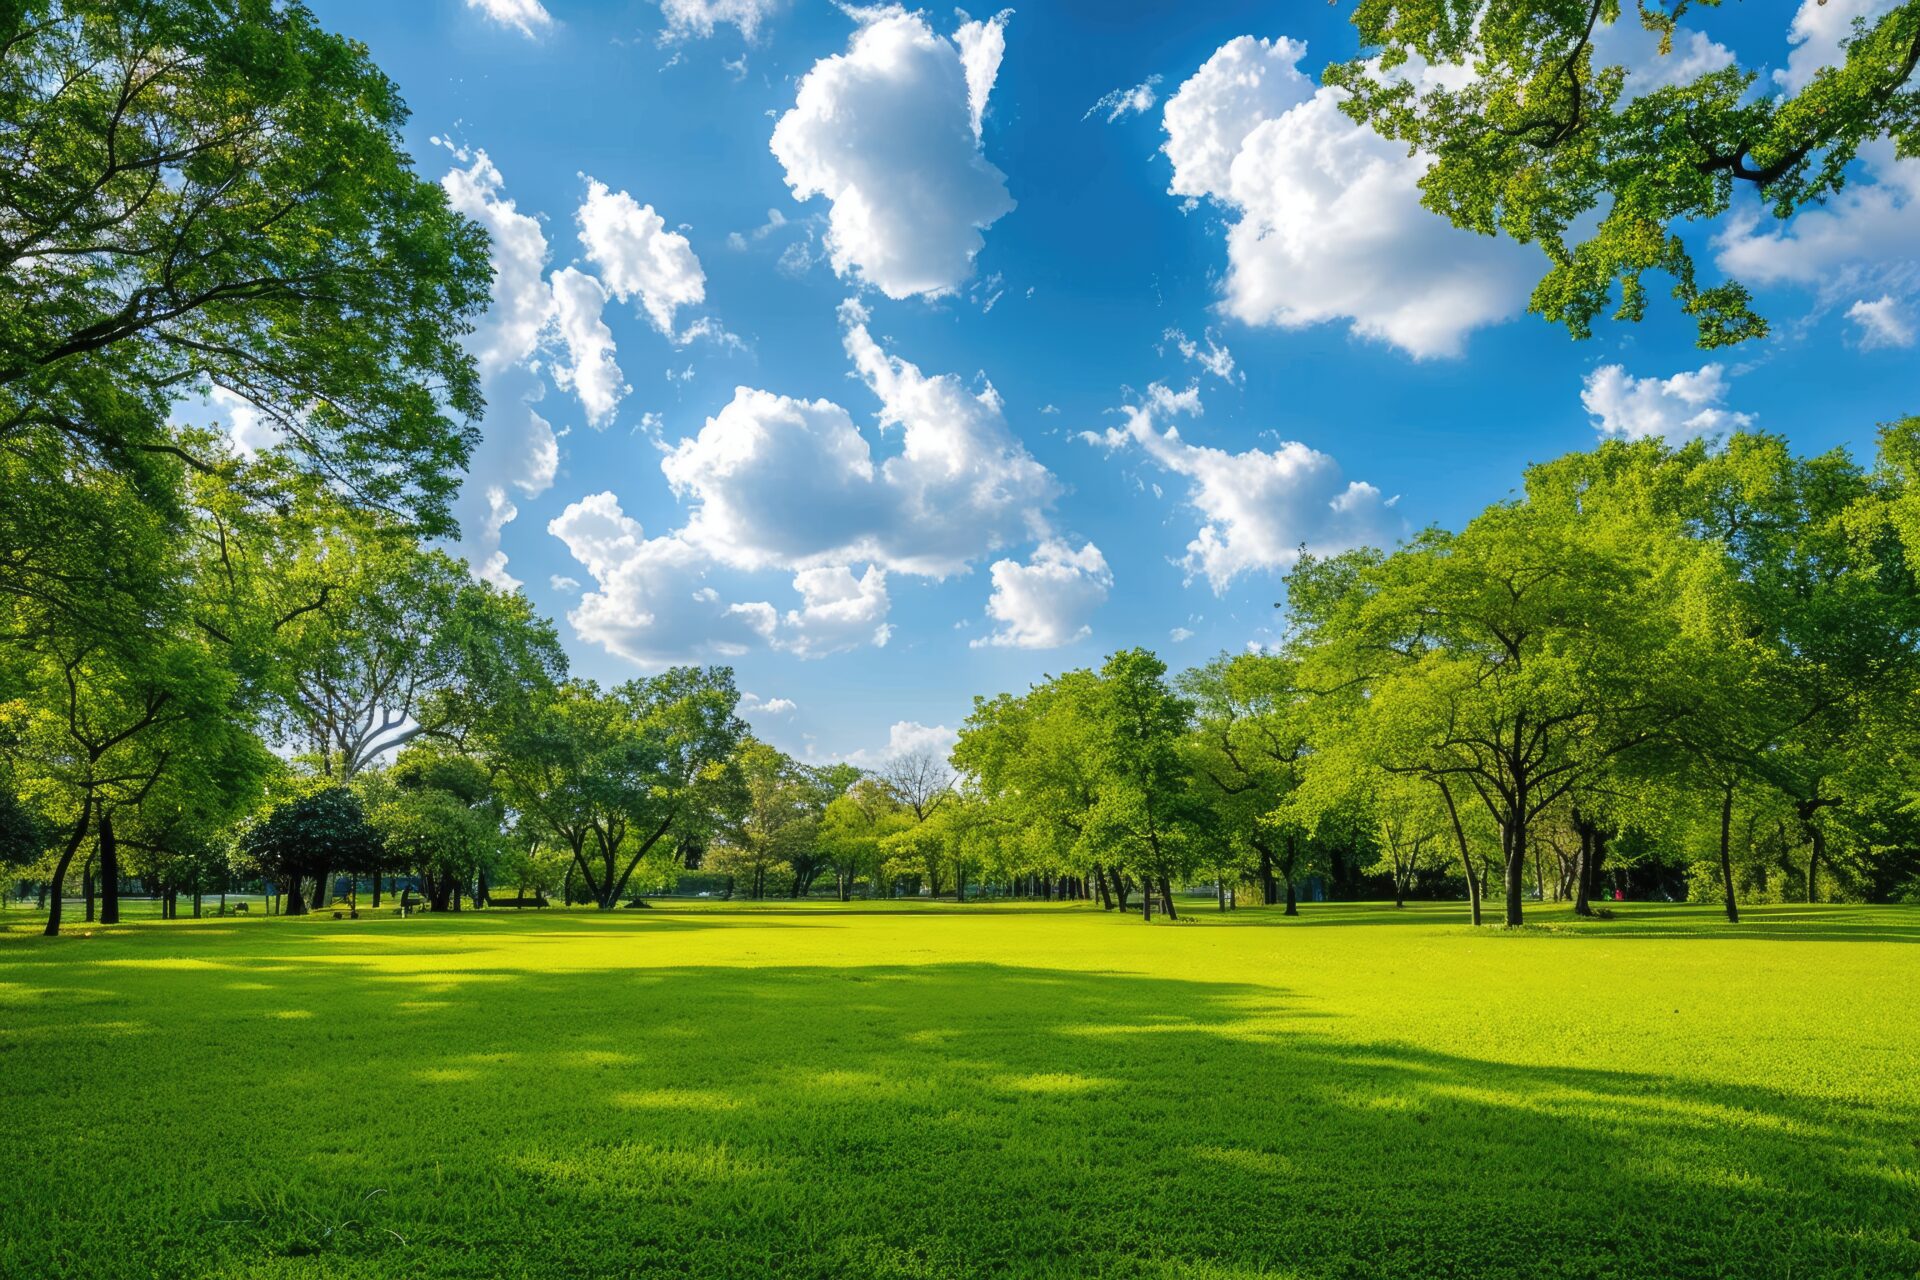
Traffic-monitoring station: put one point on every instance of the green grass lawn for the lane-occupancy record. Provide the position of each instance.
(724, 1090)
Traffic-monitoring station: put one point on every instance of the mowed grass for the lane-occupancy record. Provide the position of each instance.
(728, 1090)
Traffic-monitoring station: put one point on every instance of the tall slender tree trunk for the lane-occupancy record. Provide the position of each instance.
(109, 871)
(59, 887)
(1269, 887)
(294, 904)
(1466, 855)
(1166, 899)
(1818, 847)
(1726, 853)
(1514, 836)
(1582, 869)
(86, 884)
(1100, 883)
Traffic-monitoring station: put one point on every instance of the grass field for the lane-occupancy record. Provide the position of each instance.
(810, 1091)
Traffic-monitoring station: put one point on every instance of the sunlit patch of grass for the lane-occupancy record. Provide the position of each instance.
(747, 1090)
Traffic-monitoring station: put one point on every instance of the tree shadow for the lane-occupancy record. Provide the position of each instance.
(887, 1120)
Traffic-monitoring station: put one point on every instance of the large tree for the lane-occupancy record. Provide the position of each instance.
(1511, 660)
(211, 195)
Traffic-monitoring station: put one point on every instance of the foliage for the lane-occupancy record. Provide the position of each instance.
(1537, 135)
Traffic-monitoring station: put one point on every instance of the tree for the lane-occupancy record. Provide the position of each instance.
(381, 641)
(316, 832)
(776, 826)
(1543, 136)
(211, 194)
(642, 770)
(1249, 753)
(1147, 810)
(1510, 660)
(437, 814)
(1030, 759)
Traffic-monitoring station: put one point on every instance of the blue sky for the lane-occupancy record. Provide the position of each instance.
(881, 457)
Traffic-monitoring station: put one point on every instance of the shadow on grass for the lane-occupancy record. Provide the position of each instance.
(889, 1120)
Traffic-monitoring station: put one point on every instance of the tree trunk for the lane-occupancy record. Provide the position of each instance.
(1269, 887)
(322, 891)
(1100, 885)
(1582, 869)
(1120, 886)
(1293, 903)
(480, 895)
(110, 872)
(1166, 899)
(59, 887)
(295, 904)
(1726, 854)
(1813, 862)
(86, 884)
(1514, 836)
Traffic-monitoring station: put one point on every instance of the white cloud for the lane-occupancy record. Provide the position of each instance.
(1627, 43)
(591, 372)
(493, 568)
(651, 603)
(1675, 408)
(528, 17)
(638, 256)
(1883, 323)
(907, 738)
(982, 45)
(1046, 602)
(837, 612)
(776, 482)
(888, 132)
(691, 18)
(1125, 102)
(752, 704)
(560, 582)
(1258, 507)
(1215, 359)
(522, 304)
(248, 428)
(1328, 224)
(1819, 29)
(1870, 229)
(518, 448)
(1179, 635)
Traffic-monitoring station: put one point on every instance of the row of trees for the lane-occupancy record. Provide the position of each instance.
(1701, 661)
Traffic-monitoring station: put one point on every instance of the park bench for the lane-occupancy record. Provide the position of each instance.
(239, 908)
(536, 901)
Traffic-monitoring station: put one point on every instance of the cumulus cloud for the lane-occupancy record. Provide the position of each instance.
(1179, 635)
(651, 604)
(1046, 602)
(637, 256)
(1883, 323)
(837, 612)
(248, 428)
(1327, 222)
(1126, 102)
(1259, 507)
(889, 133)
(518, 449)
(777, 482)
(1819, 34)
(907, 738)
(1675, 408)
(528, 17)
(752, 704)
(590, 370)
(1870, 229)
(772, 482)
(690, 18)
